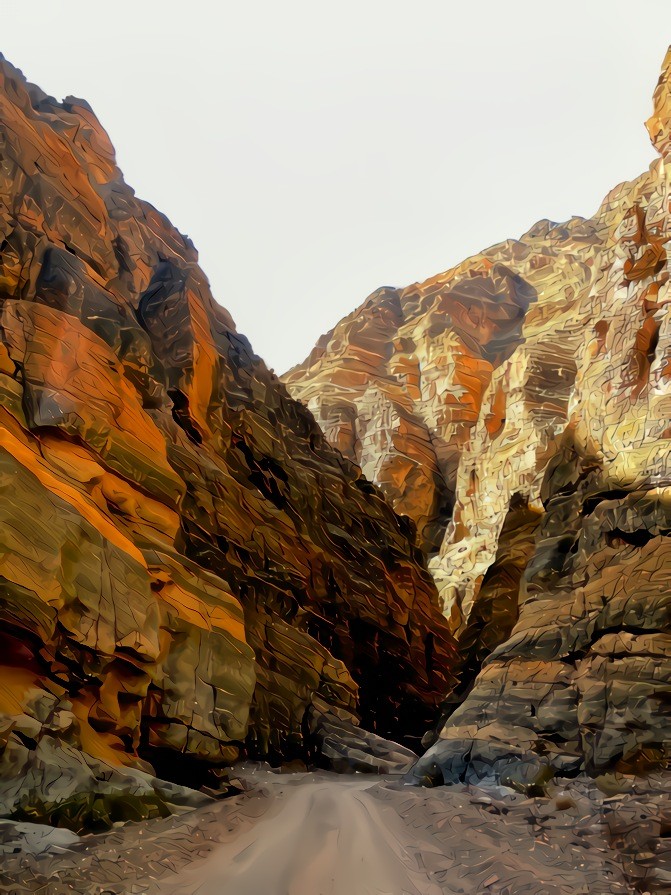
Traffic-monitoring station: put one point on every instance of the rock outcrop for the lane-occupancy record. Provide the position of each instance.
(187, 568)
(518, 409)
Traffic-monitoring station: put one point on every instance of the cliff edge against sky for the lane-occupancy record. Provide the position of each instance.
(518, 409)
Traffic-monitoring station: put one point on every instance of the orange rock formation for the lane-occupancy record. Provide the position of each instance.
(187, 568)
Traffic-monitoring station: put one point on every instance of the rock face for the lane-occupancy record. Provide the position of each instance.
(187, 568)
(518, 409)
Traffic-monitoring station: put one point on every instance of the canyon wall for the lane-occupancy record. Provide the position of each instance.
(188, 571)
(518, 409)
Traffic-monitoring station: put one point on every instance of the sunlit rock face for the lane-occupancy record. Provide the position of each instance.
(518, 409)
(451, 394)
(187, 567)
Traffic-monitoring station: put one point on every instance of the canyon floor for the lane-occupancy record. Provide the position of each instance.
(327, 834)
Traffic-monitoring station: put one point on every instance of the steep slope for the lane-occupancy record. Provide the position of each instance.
(518, 408)
(187, 568)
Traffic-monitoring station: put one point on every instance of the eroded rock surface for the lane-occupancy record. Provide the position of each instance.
(187, 567)
(518, 409)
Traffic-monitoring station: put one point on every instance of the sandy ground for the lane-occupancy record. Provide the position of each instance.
(326, 834)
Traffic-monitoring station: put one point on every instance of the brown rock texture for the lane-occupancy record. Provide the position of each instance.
(518, 409)
(187, 568)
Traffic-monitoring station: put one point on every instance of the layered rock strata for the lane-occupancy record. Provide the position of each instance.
(187, 568)
(518, 409)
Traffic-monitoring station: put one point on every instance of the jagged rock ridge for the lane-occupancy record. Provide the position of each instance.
(187, 568)
(518, 409)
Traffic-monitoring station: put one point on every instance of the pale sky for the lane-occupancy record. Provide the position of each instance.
(314, 151)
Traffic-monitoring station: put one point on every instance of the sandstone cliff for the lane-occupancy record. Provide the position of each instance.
(187, 568)
(518, 409)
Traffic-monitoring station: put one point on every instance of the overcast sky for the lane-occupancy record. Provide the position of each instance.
(316, 150)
